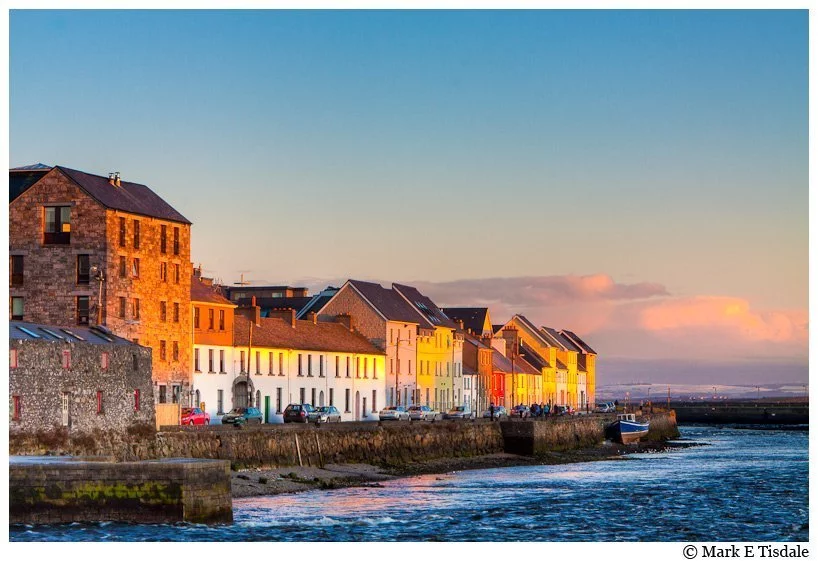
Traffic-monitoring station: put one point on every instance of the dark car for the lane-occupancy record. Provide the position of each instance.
(520, 411)
(324, 414)
(238, 416)
(299, 413)
(194, 417)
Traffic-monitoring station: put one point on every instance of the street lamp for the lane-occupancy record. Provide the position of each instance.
(98, 275)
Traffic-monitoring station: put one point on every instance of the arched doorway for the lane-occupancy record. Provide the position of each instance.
(357, 405)
(242, 392)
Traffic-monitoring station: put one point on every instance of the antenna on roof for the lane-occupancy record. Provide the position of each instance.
(242, 282)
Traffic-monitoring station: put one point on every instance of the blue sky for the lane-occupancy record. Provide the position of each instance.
(667, 147)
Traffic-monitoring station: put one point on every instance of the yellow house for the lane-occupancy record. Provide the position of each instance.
(539, 350)
(439, 351)
(585, 358)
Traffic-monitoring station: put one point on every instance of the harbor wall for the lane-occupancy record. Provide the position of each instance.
(48, 490)
(766, 413)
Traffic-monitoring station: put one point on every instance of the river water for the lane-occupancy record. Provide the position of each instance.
(744, 485)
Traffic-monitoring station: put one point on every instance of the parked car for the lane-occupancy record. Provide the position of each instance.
(459, 413)
(194, 417)
(499, 412)
(248, 415)
(324, 414)
(562, 410)
(394, 413)
(422, 413)
(602, 407)
(520, 411)
(298, 413)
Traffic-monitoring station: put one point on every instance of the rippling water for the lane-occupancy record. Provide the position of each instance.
(745, 485)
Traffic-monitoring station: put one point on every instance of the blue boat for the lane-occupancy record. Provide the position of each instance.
(626, 429)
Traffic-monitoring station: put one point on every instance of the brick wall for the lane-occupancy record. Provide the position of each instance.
(40, 382)
(365, 320)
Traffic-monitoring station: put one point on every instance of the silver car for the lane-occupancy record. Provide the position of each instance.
(324, 414)
(499, 412)
(394, 413)
(418, 412)
(459, 413)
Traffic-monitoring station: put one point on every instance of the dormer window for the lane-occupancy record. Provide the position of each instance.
(57, 225)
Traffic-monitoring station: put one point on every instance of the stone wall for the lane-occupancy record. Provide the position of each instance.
(364, 319)
(41, 382)
(63, 490)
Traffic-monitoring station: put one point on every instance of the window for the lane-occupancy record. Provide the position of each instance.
(82, 310)
(221, 320)
(196, 317)
(221, 360)
(241, 361)
(66, 359)
(176, 312)
(347, 366)
(136, 234)
(99, 402)
(83, 269)
(281, 364)
(337, 365)
(302, 395)
(121, 306)
(16, 307)
(346, 400)
(162, 350)
(270, 363)
(258, 362)
(176, 273)
(123, 266)
(210, 361)
(220, 401)
(176, 393)
(175, 350)
(16, 270)
(17, 414)
(57, 225)
(13, 358)
(163, 271)
(210, 319)
(309, 366)
(357, 367)
(163, 239)
(332, 397)
(135, 361)
(122, 232)
(278, 400)
(135, 268)
(374, 373)
(320, 365)
(374, 400)
(300, 372)
(136, 400)
(196, 360)
(135, 308)
(163, 311)
(176, 242)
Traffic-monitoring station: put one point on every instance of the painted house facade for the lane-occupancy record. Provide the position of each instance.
(85, 249)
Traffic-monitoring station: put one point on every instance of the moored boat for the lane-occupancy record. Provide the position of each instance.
(626, 429)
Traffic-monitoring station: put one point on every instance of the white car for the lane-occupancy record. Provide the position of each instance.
(459, 413)
(394, 413)
(422, 413)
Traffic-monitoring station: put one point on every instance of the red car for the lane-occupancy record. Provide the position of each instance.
(195, 417)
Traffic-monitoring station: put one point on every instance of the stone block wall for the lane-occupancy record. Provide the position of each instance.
(41, 383)
(61, 491)
(364, 319)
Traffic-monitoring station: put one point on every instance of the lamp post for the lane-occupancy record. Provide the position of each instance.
(397, 366)
(99, 276)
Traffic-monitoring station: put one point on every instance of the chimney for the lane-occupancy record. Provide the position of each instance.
(111, 179)
(313, 317)
(117, 182)
(286, 314)
(347, 320)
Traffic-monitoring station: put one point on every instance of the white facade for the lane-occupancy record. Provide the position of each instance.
(354, 383)
(401, 362)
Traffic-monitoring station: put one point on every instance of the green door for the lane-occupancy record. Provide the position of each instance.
(266, 409)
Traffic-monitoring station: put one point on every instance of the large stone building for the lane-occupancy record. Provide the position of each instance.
(91, 250)
(77, 378)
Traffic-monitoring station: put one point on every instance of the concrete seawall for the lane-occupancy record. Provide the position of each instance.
(49, 490)
(765, 413)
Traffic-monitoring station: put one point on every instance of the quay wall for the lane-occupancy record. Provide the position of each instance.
(742, 413)
(376, 443)
(48, 490)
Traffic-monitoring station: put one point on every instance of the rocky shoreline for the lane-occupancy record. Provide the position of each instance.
(284, 480)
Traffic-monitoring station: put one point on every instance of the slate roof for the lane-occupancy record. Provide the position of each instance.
(561, 365)
(521, 365)
(200, 292)
(473, 318)
(390, 303)
(307, 336)
(130, 197)
(563, 343)
(315, 304)
(468, 369)
(268, 303)
(581, 366)
(426, 306)
(476, 342)
(500, 362)
(523, 321)
(571, 336)
(496, 328)
(21, 178)
(533, 358)
(96, 335)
